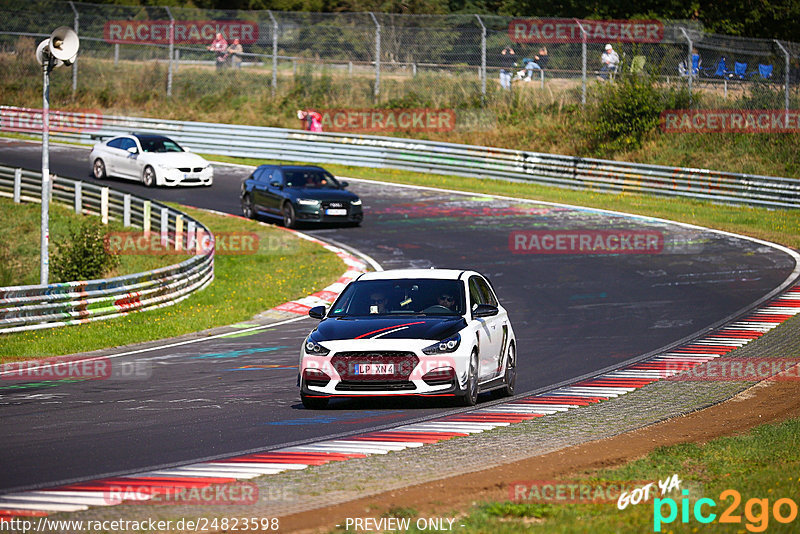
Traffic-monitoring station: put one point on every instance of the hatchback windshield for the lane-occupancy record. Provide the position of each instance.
(399, 297)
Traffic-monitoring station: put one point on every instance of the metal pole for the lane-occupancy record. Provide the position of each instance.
(274, 53)
(583, 62)
(688, 61)
(75, 64)
(377, 55)
(786, 81)
(44, 264)
(171, 50)
(483, 58)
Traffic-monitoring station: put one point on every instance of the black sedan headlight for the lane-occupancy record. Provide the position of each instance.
(444, 346)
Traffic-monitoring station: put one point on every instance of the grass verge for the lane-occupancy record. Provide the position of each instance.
(283, 268)
(19, 243)
(778, 226)
(761, 467)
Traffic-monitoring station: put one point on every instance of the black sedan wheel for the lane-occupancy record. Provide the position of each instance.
(289, 220)
(247, 207)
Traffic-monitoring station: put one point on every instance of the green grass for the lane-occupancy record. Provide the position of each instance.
(763, 464)
(20, 245)
(284, 268)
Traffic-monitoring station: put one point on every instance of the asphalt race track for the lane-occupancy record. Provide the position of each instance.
(574, 314)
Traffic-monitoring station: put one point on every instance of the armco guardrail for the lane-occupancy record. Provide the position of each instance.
(45, 306)
(431, 157)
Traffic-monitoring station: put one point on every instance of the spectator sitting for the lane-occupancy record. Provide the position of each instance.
(542, 58)
(530, 66)
(220, 48)
(235, 51)
(610, 60)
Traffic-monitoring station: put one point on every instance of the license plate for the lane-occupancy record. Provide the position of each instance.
(190, 176)
(335, 211)
(373, 369)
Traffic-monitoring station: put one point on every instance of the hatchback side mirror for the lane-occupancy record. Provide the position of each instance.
(344, 184)
(317, 312)
(485, 310)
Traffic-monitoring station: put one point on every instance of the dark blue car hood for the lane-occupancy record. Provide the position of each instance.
(405, 327)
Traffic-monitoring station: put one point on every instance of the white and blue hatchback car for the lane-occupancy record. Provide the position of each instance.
(437, 332)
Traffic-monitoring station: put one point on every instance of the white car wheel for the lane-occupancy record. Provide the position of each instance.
(99, 169)
(149, 176)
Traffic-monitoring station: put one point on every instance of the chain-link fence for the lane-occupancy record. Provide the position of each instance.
(368, 60)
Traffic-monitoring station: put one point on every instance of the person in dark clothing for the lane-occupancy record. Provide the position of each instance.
(507, 61)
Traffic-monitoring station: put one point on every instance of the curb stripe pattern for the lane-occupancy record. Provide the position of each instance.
(80, 496)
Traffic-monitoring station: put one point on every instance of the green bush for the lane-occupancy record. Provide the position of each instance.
(83, 256)
(626, 111)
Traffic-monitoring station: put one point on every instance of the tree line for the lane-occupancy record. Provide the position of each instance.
(768, 19)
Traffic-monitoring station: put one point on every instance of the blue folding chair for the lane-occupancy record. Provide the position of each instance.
(740, 70)
(765, 71)
(695, 64)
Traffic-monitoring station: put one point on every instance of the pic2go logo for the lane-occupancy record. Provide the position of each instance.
(756, 511)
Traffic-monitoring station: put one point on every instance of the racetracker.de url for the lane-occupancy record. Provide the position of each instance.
(201, 524)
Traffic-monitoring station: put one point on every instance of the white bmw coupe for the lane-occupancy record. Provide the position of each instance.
(437, 332)
(151, 159)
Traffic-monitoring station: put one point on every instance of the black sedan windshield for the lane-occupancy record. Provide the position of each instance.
(399, 297)
(310, 179)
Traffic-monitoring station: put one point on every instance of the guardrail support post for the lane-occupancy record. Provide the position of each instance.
(116, 54)
(17, 185)
(78, 202)
(126, 210)
(178, 232)
(146, 218)
(190, 236)
(164, 227)
(104, 205)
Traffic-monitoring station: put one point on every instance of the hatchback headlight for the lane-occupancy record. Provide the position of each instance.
(313, 348)
(356, 202)
(444, 346)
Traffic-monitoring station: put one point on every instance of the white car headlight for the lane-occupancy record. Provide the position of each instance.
(356, 202)
(307, 202)
(444, 346)
(313, 348)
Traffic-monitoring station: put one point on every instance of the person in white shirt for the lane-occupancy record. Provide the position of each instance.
(610, 60)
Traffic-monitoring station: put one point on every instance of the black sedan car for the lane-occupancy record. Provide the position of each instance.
(298, 194)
